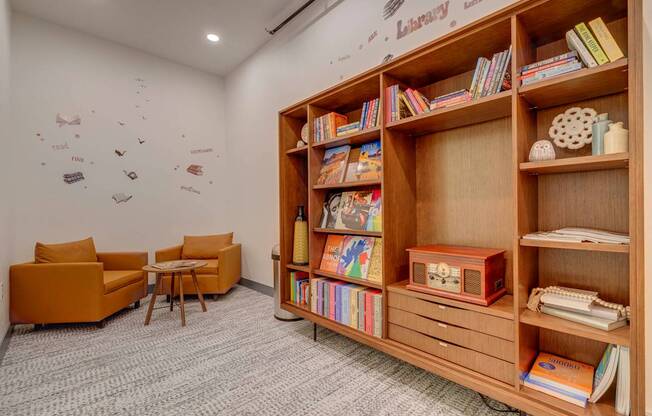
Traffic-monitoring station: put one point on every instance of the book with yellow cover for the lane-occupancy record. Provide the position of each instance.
(606, 40)
(591, 43)
(332, 252)
(375, 273)
(561, 377)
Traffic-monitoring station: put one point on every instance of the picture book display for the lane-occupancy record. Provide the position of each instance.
(331, 210)
(354, 210)
(375, 219)
(332, 253)
(355, 256)
(375, 272)
(370, 164)
(334, 165)
(562, 378)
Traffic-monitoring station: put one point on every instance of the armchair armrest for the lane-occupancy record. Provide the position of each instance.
(123, 261)
(229, 264)
(169, 254)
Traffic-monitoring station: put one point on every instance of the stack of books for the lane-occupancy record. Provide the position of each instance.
(349, 304)
(590, 46)
(354, 210)
(615, 360)
(403, 104)
(354, 257)
(579, 235)
(582, 309)
(560, 377)
(326, 126)
(299, 284)
(557, 65)
(491, 76)
(448, 100)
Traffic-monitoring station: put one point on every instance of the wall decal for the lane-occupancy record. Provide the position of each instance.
(210, 182)
(43, 163)
(469, 4)
(78, 159)
(77, 136)
(139, 79)
(388, 58)
(120, 197)
(372, 36)
(190, 189)
(60, 146)
(453, 23)
(70, 178)
(143, 117)
(141, 141)
(73, 120)
(195, 170)
(391, 7)
(120, 152)
(183, 136)
(439, 12)
(131, 175)
(196, 151)
(344, 58)
(122, 123)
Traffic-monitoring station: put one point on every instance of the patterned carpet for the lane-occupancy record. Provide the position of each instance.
(236, 359)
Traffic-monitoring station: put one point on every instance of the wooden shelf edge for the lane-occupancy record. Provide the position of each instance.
(353, 138)
(502, 308)
(305, 308)
(298, 151)
(348, 232)
(620, 64)
(361, 282)
(619, 336)
(298, 267)
(357, 184)
(577, 164)
(592, 409)
(609, 248)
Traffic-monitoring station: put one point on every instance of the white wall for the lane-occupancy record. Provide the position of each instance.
(316, 51)
(5, 209)
(57, 70)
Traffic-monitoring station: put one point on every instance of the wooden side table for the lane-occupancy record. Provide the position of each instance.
(175, 271)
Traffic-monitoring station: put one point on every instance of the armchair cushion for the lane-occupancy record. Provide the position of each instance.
(205, 247)
(117, 279)
(210, 268)
(82, 251)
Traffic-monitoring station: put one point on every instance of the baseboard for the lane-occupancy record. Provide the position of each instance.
(5, 342)
(258, 287)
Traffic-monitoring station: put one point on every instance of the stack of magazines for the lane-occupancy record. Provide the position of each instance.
(579, 235)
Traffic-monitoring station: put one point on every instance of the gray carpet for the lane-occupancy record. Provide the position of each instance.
(236, 359)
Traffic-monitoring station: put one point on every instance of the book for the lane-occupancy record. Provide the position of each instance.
(605, 372)
(553, 72)
(540, 64)
(591, 43)
(574, 43)
(361, 308)
(561, 377)
(331, 210)
(370, 164)
(375, 272)
(334, 165)
(407, 104)
(377, 318)
(354, 210)
(330, 259)
(351, 172)
(348, 129)
(606, 40)
(476, 74)
(325, 127)
(600, 323)
(375, 218)
(532, 72)
(507, 63)
(623, 403)
(355, 256)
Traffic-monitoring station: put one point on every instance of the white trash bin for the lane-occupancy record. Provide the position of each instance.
(280, 314)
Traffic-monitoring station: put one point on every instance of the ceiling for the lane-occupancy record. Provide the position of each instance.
(172, 29)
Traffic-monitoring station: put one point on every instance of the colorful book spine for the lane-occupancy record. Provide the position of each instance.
(413, 101)
(363, 117)
(490, 74)
(476, 75)
(540, 64)
(573, 41)
(553, 72)
(591, 43)
(378, 316)
(548, 66)
(376, 112)
(500, 61)
(606, 40)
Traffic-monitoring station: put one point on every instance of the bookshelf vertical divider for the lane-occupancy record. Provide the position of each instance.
(446, 172)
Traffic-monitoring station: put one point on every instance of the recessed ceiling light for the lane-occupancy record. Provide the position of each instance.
(213, 37)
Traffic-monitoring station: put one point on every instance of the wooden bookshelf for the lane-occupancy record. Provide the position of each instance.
(461, 176)
(577, 164)
(349, 232)
(299, 151)
(298, 268)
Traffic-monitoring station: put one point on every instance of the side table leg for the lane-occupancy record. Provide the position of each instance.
(199, 294)
(172, 292)
(157, 284)
(181, 301)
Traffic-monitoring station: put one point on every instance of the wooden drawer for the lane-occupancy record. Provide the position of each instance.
(484, 364)
(477, 341)
(476, 321)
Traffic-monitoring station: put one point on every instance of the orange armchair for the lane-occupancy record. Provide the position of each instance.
(218, 277)
(43, 293)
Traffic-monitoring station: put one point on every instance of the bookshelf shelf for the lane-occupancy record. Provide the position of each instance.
(298, 151)
(304, 308)
(608, 248)
(619, 336)
(298, 267)
(361, 282)
(349, 232)
(344, 185)
(580, 85)
(577, 164)
(466, 181)
(484, 109)
(353, 139)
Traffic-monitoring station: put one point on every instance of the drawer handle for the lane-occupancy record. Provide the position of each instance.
(443, 345)
(442, 325)
(441, 306)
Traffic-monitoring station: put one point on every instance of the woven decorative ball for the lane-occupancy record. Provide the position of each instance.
(572, 129)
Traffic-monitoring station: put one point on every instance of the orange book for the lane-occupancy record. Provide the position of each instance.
(561, 377)
(332, 251)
